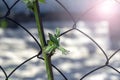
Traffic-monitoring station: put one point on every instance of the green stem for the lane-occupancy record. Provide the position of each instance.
(39, 24)
(47, 59)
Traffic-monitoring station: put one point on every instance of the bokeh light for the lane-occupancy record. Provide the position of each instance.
(108, 8)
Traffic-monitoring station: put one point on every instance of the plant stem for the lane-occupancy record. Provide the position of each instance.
(47, 58)
(39, 24)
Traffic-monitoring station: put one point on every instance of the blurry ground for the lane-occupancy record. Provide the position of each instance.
(16, 46)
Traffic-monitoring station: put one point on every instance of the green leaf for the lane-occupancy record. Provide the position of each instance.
(42, 1)
(50, 42)
(53, 38)
(64, 51)
(29, 3)
(49, 49)
(54, 43)
(57, 32)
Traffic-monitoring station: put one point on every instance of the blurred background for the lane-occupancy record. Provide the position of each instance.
(97, 18)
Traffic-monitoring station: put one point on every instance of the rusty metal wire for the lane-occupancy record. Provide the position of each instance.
(106, 64)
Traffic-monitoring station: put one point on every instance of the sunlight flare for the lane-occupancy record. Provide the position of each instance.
(107, 8)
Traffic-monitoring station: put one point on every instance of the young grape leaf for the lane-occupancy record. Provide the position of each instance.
(64, 51)
(57, 32)
(54, 43)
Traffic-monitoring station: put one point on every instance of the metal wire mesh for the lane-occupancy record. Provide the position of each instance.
(106, 64)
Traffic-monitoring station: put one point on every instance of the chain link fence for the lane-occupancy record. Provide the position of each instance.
(74, 28)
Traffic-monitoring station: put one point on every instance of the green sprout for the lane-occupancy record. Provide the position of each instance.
(54, 43)
(29, 3)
